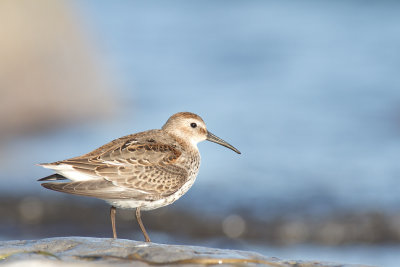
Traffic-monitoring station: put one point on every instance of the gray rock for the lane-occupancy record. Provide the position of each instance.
(86, 251)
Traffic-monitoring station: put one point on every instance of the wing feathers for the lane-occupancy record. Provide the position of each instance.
(100, 189)
(138, 165)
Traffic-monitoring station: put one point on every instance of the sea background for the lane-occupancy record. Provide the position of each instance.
(308, 91)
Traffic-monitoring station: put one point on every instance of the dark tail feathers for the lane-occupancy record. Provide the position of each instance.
(53, 177)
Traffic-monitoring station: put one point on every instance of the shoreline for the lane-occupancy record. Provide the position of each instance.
(40, 217)
(83, 251)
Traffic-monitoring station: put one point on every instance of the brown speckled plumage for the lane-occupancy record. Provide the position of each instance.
(147, 165)
(145, 170)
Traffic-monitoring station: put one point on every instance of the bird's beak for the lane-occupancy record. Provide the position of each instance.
(216, 139)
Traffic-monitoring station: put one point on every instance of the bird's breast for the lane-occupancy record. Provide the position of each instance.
(191, 162)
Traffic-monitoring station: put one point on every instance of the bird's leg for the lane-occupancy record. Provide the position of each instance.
(139, 220)
(113, 210)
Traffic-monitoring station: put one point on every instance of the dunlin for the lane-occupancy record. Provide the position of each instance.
(141, 171)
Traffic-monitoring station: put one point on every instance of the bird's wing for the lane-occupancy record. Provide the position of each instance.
(96, 188)
(145, 167)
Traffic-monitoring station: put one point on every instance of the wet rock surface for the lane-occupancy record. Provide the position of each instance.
(87, 251)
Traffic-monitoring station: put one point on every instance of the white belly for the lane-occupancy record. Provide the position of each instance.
(151, 205)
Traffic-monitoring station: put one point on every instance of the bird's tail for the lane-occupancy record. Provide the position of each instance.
(53, 177)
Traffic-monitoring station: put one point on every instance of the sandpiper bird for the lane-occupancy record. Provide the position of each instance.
(141, 171)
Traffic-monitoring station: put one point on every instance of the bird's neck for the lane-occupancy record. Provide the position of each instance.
(184, 141)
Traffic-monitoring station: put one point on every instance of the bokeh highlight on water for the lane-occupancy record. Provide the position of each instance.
(308, 91)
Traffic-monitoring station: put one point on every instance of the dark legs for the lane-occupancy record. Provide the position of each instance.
(139, 220)
(113, 210)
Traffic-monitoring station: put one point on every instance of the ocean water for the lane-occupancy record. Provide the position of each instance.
(386, 256)
(308, 91)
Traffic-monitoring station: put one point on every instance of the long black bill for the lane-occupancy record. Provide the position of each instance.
(216, 139)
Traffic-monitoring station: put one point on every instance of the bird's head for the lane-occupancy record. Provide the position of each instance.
(190, 126)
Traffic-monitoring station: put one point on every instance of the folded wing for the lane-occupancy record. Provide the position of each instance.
(136, 167)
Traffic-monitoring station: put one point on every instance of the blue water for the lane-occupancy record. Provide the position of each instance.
(309, 92)
(384, 256)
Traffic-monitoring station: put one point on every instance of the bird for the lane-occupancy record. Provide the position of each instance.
(141, 171)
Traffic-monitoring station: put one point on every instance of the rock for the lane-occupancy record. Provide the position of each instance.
(50, 71)
(86, 251)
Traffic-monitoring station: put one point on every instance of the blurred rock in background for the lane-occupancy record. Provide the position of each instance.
(34, 217)
(49, 75)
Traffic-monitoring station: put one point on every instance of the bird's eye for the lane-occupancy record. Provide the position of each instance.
(193, 125)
